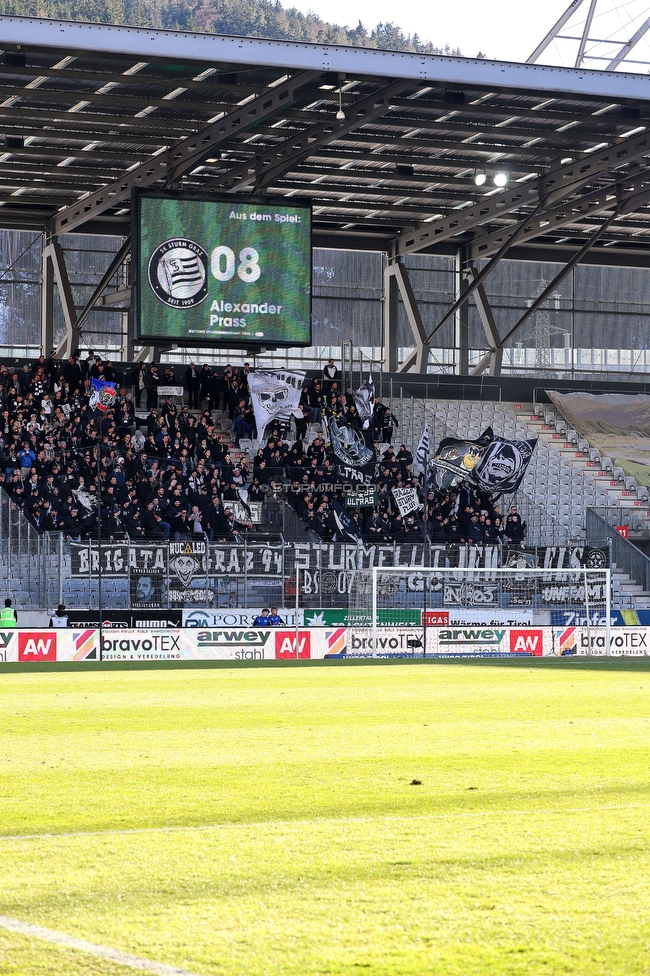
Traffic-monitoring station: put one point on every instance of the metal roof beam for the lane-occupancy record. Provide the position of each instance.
(184, 156)
(147, 125)
(559, 278)
(550, 187)
(298, 147)
(209, 49)
(127, 100)
(570, 213)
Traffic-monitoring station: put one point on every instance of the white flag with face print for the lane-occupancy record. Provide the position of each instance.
(271, 398)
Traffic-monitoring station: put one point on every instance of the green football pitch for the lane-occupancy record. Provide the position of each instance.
(448, 818)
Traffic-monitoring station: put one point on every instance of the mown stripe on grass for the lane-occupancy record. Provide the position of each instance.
(248, 824)
(101, 951)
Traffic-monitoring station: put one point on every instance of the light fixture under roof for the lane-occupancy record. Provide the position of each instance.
(340, 115)
(500, 178)
(480, 176)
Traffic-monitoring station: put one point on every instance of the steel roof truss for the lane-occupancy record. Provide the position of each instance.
(183, 157)
(549, 188)
(301, 145)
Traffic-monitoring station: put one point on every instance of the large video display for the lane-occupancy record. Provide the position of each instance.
(229, 272)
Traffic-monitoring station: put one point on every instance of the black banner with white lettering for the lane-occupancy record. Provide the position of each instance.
(276, 561)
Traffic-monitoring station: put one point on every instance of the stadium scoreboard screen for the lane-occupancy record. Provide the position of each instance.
(229, 272)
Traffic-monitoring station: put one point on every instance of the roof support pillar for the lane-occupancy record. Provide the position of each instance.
(391, 307)
(53, 255)
(47, 304)
(462, 315)
(397, 280)
(489, 326)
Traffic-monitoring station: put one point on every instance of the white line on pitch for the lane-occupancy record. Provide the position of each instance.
(104, 952)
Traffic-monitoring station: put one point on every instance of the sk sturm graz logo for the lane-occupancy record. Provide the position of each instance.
(178, 273)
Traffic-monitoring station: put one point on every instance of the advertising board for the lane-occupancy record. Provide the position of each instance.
(43, 646)
(222, 270)
(623, 642)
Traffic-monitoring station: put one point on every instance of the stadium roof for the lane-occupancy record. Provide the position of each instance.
(89, 111)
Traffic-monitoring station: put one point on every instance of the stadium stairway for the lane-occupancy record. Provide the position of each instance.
(584, 476)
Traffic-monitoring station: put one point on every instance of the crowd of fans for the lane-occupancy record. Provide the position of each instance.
(175, 475)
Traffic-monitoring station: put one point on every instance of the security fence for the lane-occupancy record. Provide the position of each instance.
(40, 571)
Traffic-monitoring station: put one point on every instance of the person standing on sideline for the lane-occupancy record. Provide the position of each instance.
(275, 620)
(8, 616)
(59, 618)
(262, 619)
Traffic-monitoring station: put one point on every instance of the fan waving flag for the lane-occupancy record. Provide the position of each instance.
(271, 398)
(490, 463)
(422, 455)
(455, 459)
(503, 464)
(102, 395)
(364, 400)
(350, 450)
(347, 527)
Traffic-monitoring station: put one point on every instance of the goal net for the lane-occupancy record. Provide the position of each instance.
(485, 612)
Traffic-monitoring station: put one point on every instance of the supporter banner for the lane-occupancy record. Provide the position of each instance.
(336, 556)
(360, 496)
(350, 450)
(346, 526)
(407, 500)
(422, 457)
(187, 574)
(39, 646)
(618, 424)
(271, 398)
(146, 589)
(364, 400)
(274, 562)
(102, 395)
(172, 391)
(491, 463)
(117, 560)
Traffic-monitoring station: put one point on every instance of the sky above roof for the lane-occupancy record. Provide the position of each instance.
(499, 28)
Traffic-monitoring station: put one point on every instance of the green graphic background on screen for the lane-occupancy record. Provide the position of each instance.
(284, 250)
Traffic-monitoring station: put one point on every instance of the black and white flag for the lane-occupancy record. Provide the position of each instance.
(422, 453)
(271, 398)
(364, 400)
(503, 464)
(350, 450)
(490, 463)
(347, 528)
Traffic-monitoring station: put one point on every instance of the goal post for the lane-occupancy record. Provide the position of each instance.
(451, 611)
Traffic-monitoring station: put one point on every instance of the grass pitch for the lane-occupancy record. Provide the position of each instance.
(258, 822)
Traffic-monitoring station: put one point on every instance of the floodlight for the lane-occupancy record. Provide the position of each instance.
(480, 176)
(500, 177)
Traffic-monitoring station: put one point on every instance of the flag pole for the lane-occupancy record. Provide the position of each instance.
(426, 548)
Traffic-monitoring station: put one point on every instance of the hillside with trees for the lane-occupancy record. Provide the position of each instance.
(248, 18)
